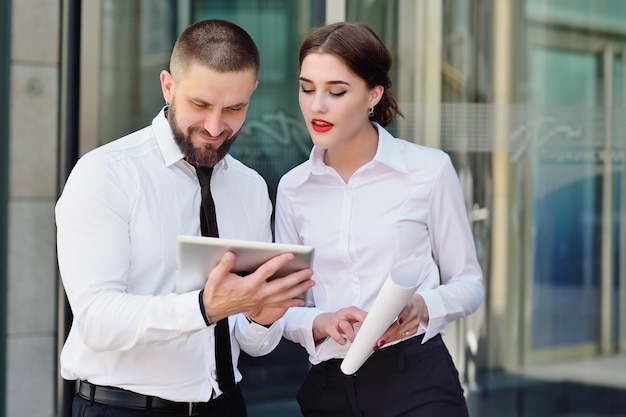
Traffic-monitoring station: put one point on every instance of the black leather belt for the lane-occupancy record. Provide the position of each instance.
(123, 398)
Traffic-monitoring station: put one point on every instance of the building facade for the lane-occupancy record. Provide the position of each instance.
(527, 96)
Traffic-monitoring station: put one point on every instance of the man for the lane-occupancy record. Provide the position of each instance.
(134, 343)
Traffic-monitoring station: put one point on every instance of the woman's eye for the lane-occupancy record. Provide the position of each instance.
(304, 90)
(338, 94)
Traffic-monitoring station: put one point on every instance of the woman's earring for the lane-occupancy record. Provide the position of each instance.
(371, 112)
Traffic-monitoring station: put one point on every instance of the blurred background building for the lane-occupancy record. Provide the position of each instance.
(527, 96)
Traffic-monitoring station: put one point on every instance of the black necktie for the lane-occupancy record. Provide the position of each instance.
(208, 225)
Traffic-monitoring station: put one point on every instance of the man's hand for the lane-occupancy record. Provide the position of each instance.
(226, 293)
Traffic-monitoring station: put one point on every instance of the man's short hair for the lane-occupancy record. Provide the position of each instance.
(217, 44)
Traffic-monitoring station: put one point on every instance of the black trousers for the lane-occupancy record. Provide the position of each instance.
(409, 379)
(231, 405)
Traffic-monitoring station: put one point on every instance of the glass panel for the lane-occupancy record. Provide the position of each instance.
(603, 14)
(380, 15)
(137, 37)
(555, 71)
(567, 195)
(459, 49)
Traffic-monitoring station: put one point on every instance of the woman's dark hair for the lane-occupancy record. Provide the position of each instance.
(360, 48)
(217, 44)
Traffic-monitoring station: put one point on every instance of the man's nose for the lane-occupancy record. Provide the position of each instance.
(214, 124)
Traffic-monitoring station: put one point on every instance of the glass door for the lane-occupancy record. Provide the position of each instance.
(566, 210)
(575, 166)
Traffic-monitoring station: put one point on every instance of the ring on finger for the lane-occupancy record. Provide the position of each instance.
(406, 333)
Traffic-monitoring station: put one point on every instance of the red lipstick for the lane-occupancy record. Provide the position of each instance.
(320, 125)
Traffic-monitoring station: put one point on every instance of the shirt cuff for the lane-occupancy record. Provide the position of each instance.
(436, 315)
(188, 316)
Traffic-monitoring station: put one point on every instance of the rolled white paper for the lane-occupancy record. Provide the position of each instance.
(398, 288)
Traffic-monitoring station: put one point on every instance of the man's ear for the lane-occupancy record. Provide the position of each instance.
(167, 86)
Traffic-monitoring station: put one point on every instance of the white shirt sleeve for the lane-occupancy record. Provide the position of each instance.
(256, 339)
(461, 291)
(94, 255)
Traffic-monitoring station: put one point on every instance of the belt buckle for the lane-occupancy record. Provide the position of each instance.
(196, 409)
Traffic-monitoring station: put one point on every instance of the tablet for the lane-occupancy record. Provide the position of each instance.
(196, 256)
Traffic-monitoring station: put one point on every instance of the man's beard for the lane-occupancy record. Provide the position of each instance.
(205, 156)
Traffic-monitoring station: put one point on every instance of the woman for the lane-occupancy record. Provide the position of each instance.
(367, 201)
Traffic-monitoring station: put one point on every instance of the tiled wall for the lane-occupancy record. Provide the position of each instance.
(32, 275)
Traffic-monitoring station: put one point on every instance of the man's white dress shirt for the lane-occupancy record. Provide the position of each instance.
(117, 219)
(406, 202)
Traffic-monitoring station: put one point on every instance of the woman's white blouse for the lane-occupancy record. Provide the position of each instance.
(406, 202)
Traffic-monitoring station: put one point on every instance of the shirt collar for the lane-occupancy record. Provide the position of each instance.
(387, 153)
(163, 132)
(165, 138)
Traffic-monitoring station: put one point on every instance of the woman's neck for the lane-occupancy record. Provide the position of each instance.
(346, 158)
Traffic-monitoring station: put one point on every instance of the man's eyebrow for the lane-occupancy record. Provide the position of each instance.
(199, 100)
(242, 104)
(206, 103)
(337, 82)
